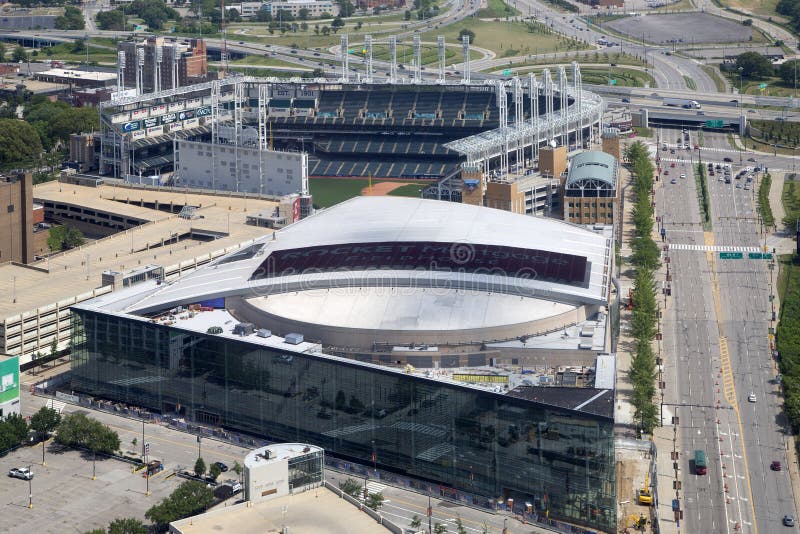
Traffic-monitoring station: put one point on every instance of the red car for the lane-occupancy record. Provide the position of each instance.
(775, 465)
(666, 173)
(672, 164)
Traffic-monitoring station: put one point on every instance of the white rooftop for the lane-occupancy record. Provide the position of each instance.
(381, 308)
(79, 74)
(278, 452)
(394, 219)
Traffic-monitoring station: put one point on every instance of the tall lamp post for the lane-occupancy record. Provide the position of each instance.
(30, 488)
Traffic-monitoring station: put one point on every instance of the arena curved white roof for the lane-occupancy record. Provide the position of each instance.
(406, 242)
(373, 308)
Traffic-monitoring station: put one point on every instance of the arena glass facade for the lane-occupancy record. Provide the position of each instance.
(559, 460)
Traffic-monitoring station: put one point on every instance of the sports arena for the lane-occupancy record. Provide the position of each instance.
(428, 129)
(390, 331)
(375, 273)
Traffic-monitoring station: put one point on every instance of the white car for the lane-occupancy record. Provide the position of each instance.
(683, 175)
(751, 397)
(21, 472)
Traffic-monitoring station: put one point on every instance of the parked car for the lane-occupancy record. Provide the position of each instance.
(775, 465)
(727, 160)
(788, 521)
(626, 100)
(751, 397)
(21, 472)
(222, 466)
(673, 181)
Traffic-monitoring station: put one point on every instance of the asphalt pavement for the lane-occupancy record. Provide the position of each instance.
(740, 493)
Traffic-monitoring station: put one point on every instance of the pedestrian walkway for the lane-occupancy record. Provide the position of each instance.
(711, 248)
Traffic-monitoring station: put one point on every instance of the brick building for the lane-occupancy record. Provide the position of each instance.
(16, 218)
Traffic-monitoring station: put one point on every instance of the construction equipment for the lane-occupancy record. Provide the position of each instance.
(644, 493)
(636, 521)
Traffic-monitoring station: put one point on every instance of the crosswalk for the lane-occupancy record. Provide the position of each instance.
(375, 487)
(58, 406)
(712, 248)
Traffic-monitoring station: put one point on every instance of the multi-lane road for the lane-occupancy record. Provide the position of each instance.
(717, 323)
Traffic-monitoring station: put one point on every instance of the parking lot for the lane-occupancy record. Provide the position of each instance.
(686, 28)
(66, 499)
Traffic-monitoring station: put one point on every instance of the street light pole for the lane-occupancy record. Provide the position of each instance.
(30, 488)
(94, 465)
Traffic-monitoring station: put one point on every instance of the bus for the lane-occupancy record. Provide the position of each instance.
(700, 466)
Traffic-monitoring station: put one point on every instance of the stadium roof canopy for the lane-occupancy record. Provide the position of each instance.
(593, 166)
(404, 242)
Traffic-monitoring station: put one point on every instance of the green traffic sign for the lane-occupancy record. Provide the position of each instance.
(507, 72)
(730, 255)
(762, 86)
(613, 81)
(759, 255)
(715, 124)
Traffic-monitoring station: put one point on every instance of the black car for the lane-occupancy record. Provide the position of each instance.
(727, 160)
(222, 466)
(626, 100)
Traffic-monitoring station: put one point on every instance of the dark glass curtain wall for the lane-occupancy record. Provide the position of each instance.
(558, 460)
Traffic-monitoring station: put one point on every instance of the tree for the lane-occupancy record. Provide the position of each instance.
(439, 528)
(128, 525)
(416, 522)
(64, 238)
(346, 8)
(200, 467)
(326, 31)
(407, 15)
(747, 22)
(351, 487)
(754, 65)
(232, 15)
(72, 19)
(263, 16)
(190, 498)
(78, 430)
(214, 471)
(111, 20)
(20, 54)
(17, 427)
(237, 468)
(374, 501)
(303, 13)
(96, 531)
(20, 145)
(469, 33)
(788, 72)
(45, 421)
(460, 525)
(2, 51)
(337, 24)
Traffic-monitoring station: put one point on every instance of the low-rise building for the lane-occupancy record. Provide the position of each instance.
(316, 8)
(590, 192)
(282, 469)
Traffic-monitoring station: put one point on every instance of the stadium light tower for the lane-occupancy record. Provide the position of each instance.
(548, 103)
(345, 54)
(564, 109)
(417, 60)
(392, 59)
(368, 57)
(535, 134)
(139, 67)
(159, 53)
(440, 46)
(120, 71)
(465, 48)
(577, 85)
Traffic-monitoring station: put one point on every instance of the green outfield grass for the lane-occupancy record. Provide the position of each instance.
(330, 191)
